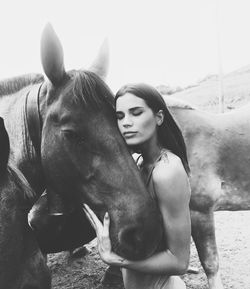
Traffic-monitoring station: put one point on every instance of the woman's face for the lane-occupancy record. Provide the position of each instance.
(136, 120)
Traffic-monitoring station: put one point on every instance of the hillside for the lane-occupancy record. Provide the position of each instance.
(204, 94)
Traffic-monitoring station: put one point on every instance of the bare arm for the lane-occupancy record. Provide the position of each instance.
(173, 193)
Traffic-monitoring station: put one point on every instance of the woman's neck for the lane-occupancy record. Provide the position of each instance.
(150, 152)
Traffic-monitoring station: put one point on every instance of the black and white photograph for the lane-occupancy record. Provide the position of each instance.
(125, 144)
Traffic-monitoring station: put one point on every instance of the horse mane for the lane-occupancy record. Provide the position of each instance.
(22, 183)
(91, 90)
(177, 103)
(88, 88)
(14, 84)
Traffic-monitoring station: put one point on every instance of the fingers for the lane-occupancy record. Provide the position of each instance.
(102, 232)
(90, 218)
(101, 229)
(106, 223)
(92, 215)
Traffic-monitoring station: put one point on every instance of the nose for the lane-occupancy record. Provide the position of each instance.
(137, 243)
(127, 121)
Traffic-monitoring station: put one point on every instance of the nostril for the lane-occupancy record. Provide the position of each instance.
(132, 238)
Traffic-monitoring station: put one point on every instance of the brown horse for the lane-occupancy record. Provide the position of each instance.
(64, 138)
(21, 262)
(218, 148)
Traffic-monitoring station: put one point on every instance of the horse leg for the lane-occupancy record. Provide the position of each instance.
(203, 233)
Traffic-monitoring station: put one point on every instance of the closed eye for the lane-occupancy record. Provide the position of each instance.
(137, 112)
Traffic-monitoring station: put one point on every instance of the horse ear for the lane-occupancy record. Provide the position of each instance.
(52, 55)
(101, 63)
(4, 146)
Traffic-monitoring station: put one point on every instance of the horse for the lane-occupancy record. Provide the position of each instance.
(22, 264)
(218, 148)
(65, 140)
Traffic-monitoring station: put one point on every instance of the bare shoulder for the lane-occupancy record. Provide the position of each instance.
(169, 169)
(170, 178)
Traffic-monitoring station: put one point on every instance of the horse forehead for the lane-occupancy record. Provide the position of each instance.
(68, 110)
(65, 101)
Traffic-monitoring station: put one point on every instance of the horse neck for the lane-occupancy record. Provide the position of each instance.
(22, 152)
(188, 118)
(12, 111)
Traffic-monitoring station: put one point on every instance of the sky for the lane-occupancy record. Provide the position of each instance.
(171, 42)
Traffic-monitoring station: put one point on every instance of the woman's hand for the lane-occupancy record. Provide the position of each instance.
(103, 240)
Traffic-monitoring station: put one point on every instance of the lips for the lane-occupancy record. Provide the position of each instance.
(128, 134)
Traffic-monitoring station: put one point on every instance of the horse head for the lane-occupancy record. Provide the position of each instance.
(84, 157)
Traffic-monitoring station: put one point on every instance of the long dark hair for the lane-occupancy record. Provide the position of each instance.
(170, 136)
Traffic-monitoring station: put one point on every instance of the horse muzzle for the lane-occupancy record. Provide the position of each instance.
(137, 242)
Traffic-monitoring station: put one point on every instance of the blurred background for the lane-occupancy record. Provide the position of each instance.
(172, 44)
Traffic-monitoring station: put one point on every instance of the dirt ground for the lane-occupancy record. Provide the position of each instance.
(233, 235)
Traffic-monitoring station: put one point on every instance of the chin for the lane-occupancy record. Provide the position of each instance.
(132, 143)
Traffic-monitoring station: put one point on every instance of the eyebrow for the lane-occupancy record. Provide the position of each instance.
(132, 108)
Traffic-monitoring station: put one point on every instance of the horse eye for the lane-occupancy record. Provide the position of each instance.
(74, 137)
(71, 134)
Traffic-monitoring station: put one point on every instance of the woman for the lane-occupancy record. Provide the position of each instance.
(149, 129)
